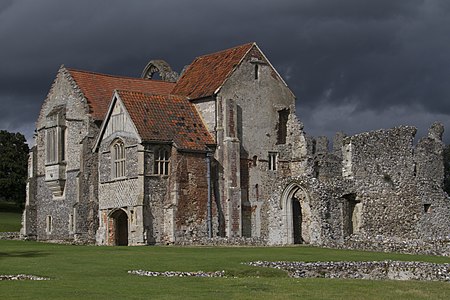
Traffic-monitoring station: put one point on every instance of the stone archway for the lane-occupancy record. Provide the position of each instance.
(161, 68)
(295, 203)
(118, 228)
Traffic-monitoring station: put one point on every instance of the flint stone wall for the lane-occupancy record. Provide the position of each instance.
(378, 270)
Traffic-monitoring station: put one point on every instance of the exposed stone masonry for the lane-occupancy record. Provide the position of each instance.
(177, 274)
(22, 277)
(373, 270)
(231, 160)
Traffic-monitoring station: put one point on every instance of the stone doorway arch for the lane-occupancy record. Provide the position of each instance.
(295, 203)
(118, 228)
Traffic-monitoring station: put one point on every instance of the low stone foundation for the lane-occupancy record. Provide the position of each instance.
(22, 277)
(375, 270)
(221, 241)
(439, 247)
(177, 274)
(10, 236)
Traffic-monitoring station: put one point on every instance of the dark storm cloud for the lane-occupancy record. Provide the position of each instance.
(354, 65)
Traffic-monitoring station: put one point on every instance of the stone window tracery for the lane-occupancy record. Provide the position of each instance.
(162, 159)
(55, 148)
(118, 159)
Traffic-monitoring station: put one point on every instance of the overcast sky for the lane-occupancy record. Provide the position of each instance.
(354, 65)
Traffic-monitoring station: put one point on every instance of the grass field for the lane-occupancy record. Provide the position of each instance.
(94, 272)
(10, 216)
(10, 221)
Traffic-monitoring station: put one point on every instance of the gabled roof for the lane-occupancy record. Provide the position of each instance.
(166, 118)
(207, 73)
(98, 88)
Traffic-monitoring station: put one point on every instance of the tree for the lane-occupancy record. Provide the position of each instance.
(13, 166)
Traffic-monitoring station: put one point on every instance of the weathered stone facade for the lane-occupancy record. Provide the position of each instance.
(218, 156)
(62, 194)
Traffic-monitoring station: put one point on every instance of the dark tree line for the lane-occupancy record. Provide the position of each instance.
(13, 166)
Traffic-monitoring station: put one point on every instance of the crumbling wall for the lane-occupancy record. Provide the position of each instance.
(429, 170)
(381, 169)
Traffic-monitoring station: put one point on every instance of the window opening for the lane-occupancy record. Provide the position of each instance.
(49, 225)
(256, 71)
(283, 116)
(71, 227)
(118, 160)
(273, 161)
(162, 162)
(52, 149)
(63, 143)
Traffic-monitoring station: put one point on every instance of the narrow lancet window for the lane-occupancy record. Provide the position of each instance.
(118, 156)
(273, 161)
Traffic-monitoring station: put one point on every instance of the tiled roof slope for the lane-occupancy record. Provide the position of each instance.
(207, 73)
(166, 118)
(98, 88)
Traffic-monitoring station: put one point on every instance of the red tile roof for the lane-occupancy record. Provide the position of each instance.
(207, 73)
(98, 88)
(166, 118)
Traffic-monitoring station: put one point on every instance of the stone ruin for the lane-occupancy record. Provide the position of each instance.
(227, 164)
(373, 191)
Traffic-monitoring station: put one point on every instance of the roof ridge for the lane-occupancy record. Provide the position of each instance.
(225, 50)
(116, 76)
(149, 93)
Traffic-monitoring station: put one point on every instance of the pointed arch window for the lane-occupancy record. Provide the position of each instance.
(162, 159)
(118, 159)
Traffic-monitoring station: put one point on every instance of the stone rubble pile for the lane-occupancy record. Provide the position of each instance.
(177, 274)
(22, 277)
(373, 270)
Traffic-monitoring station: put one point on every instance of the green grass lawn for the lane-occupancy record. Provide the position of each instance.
(10, 216)
(10, 221)
(94, 272)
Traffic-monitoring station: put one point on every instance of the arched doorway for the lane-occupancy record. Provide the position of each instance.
(118, 228)
(297, 214)
(297, 221)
